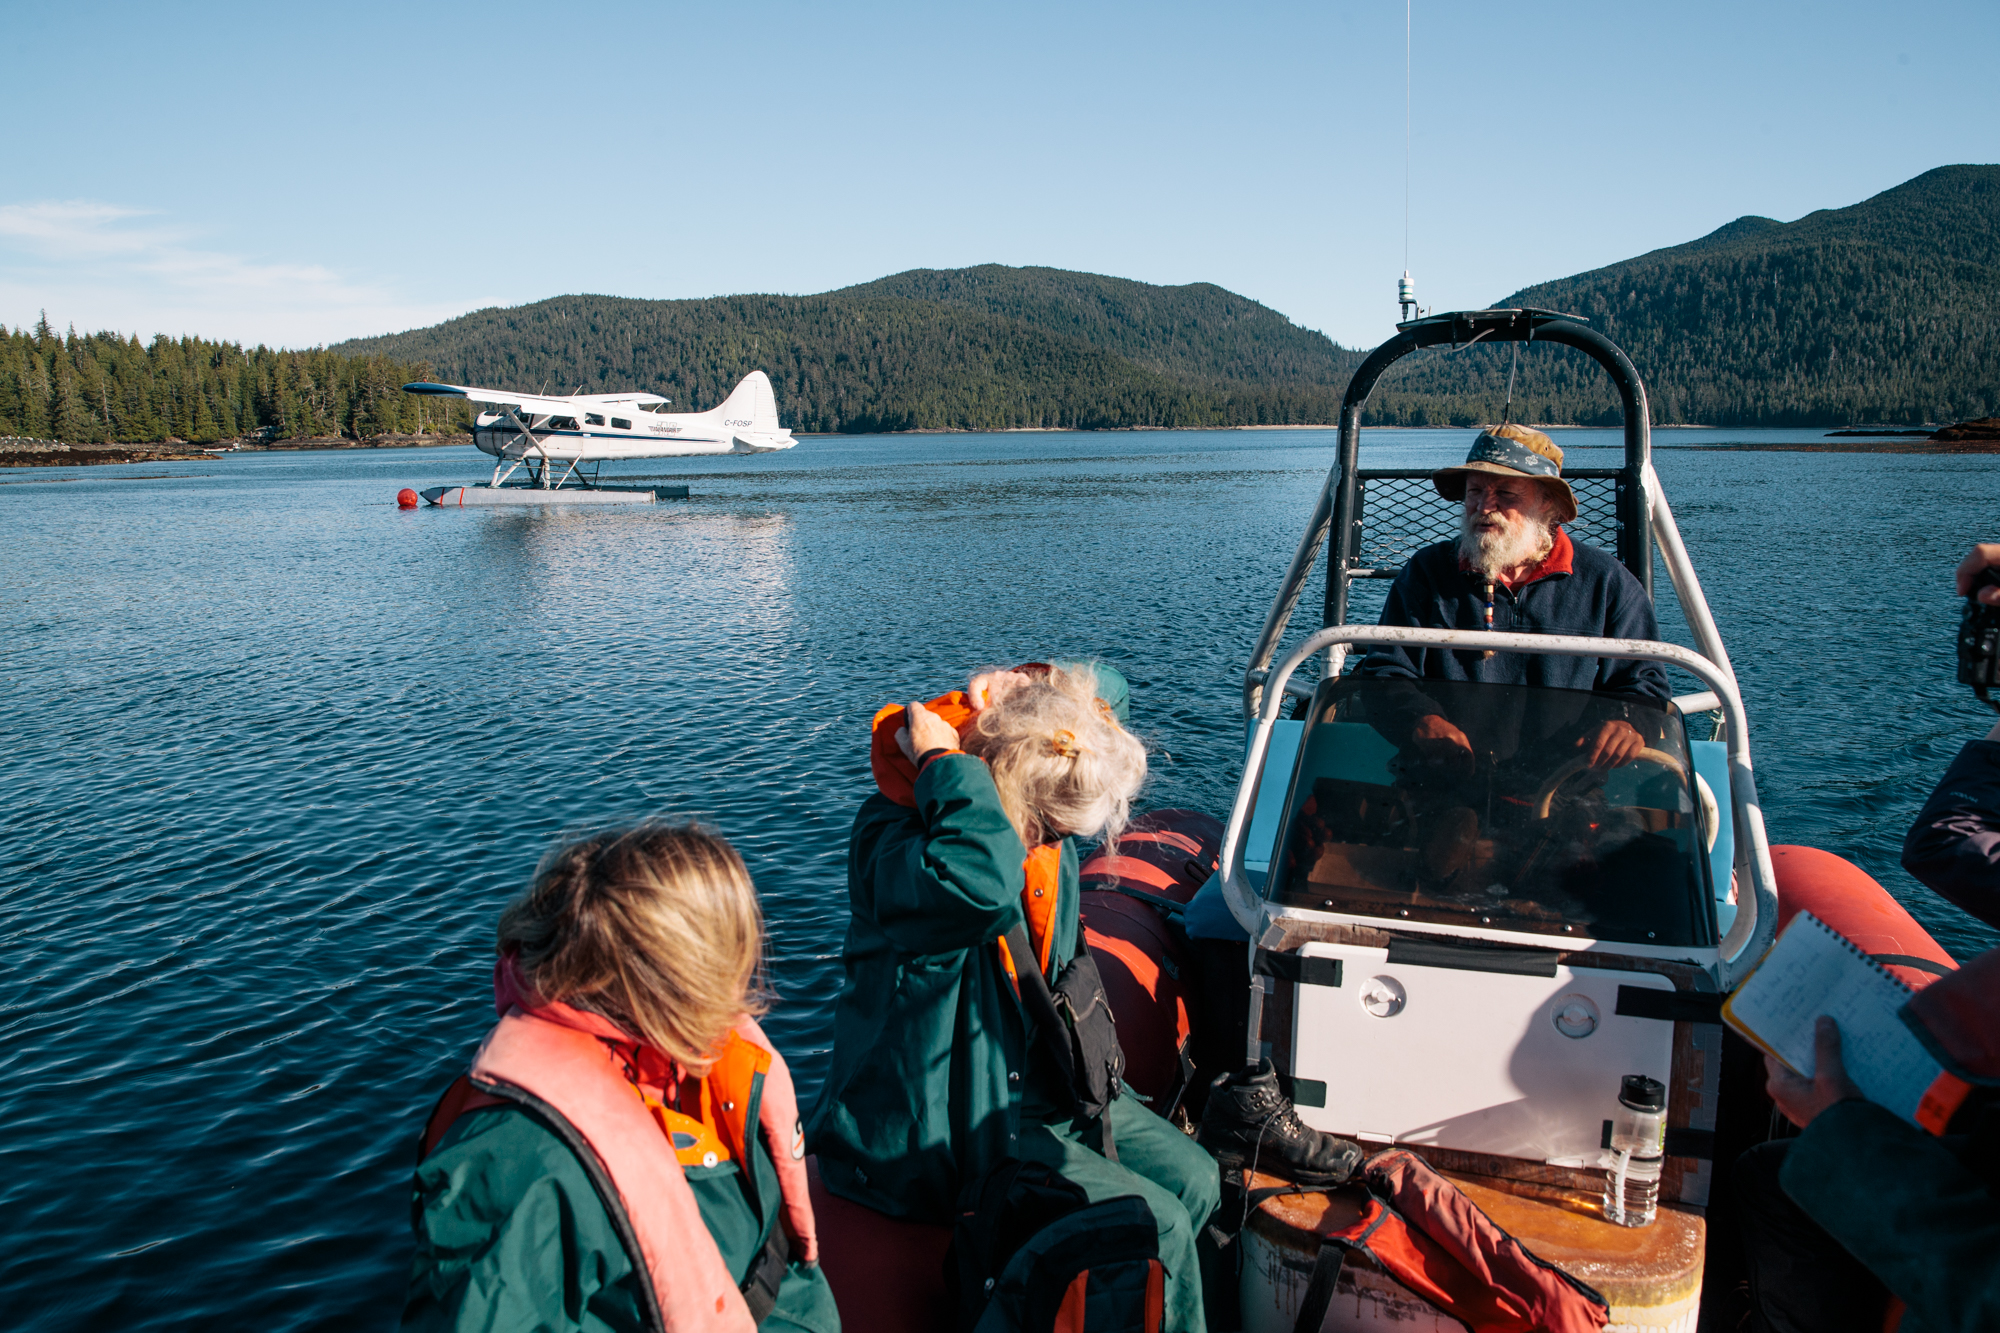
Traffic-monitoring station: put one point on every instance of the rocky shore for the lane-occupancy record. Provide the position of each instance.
(1876, 446)
(19, 452)
(1984, 431)
(372, 442)
(1966, 437)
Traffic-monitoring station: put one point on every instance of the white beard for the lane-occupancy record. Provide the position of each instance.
(1495, 550)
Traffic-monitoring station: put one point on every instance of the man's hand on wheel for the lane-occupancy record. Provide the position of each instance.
(1613, 744)
(1439, 741)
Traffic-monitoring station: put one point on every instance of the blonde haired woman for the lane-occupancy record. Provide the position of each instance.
(625, 1151)
(937, 1074)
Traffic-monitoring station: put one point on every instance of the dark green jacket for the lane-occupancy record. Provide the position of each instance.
(929, 1041)
(1903, 1204)
(511, 1234)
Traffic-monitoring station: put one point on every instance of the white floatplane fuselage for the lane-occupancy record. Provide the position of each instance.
(590, 427)
(541, 430)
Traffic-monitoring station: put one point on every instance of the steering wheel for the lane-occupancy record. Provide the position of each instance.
(1545, 796)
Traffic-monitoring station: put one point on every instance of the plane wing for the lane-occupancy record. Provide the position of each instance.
(504, 399)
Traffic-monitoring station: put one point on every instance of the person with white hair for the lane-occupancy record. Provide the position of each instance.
(1514, 570)
(962, 880)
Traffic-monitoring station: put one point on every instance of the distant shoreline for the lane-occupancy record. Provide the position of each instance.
(23, 453)
(1872, 446)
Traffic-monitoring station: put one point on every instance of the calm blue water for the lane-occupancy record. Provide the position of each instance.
(276, 753)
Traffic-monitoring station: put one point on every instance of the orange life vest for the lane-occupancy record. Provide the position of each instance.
(896, 777)
(634, 1121)
(704, 1122)
(1424, 1232)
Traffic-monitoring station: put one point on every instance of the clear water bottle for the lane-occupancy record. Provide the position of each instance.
(1638, 1140)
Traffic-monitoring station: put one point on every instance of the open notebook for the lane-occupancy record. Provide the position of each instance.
(1814, 970)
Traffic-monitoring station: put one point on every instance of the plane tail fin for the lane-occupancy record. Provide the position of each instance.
(751, 406)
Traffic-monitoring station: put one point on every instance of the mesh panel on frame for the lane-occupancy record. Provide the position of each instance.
(1401, 515)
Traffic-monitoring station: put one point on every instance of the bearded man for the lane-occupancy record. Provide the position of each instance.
(1513, 557)
(1513, 569)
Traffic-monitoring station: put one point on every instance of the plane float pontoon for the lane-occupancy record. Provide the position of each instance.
(559, 442)
(1483, 1015)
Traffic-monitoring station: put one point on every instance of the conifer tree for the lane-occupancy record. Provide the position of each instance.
(34, 395)
(72, 424)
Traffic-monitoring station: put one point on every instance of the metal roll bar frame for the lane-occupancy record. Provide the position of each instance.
(1645, 522)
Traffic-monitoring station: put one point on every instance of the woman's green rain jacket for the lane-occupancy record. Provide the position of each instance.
(511, 1234)
(930, 1046)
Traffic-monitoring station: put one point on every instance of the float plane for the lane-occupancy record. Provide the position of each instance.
(555, 437)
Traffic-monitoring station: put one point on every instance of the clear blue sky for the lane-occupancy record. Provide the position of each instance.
(300, 174)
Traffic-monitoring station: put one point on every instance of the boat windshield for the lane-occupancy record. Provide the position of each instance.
(1472, 804)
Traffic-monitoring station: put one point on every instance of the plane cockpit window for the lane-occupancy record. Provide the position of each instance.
(1465, 803)
(562, 423)
(621, 423)
(592, 419)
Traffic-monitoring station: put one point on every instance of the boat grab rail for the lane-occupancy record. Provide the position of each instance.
(1689, 704)
(1749, 935)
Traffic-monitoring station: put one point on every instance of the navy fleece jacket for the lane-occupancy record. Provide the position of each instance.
(1597, 596)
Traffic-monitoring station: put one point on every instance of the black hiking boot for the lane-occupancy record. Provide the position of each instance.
(1248, 1124)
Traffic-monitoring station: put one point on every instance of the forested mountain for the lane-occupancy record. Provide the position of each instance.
(1885, 311)
(106, 387)
(1197, 332)
(975, 349)
(1888, 311)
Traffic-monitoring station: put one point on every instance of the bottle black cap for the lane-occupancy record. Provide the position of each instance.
(1642, 1093)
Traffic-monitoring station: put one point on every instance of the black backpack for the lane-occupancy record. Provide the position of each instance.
(1030, 1253)
(1075, 1025)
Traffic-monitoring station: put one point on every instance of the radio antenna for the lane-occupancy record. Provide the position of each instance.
(1406, 291)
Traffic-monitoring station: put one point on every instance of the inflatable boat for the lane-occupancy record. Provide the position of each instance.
(1482, 1008)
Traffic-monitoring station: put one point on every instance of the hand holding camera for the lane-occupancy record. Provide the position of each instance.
(1977, 571)
(1978, 579)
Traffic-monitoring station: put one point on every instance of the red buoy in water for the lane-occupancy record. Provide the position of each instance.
(406, 498)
